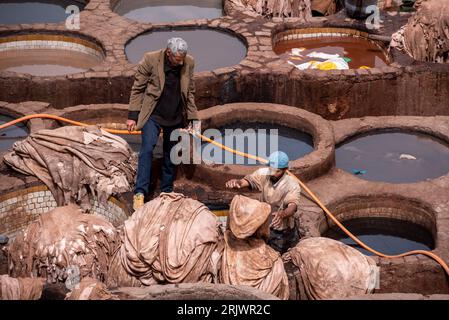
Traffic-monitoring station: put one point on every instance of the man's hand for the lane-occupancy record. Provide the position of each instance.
(195, 125)
(237, 184)
(131, 125)
(276, 222)
(287, 257)
(233, 184)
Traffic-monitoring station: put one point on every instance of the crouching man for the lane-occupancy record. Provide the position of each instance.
(282, 192)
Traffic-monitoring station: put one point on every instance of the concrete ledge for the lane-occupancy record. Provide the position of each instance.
(193, 291)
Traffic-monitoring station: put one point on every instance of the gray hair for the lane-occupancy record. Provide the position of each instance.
(177, 45)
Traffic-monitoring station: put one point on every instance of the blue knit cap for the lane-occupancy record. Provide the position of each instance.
(278, 160)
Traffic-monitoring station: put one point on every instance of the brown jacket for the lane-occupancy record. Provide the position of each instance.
(149, 82)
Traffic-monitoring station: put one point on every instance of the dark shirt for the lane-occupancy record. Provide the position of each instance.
(168, 109)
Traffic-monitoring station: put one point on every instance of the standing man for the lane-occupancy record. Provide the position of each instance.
(162, 97)
(282, 192)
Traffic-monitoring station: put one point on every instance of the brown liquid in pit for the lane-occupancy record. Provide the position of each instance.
(46, 62)
(362, 52)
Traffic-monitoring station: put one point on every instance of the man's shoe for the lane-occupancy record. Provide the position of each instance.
(138, 201)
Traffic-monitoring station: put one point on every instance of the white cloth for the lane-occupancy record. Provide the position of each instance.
(324, 56)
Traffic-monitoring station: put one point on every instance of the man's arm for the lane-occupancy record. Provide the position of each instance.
(192, 112)
(292, 200)
(237, 184)
(137, 92)
(288, 211)
(253, 180)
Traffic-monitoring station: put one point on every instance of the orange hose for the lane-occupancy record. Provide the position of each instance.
(50, 116)
(262, 160)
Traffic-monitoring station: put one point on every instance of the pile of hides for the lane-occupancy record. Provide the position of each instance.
(330, 269)
(3, 260)
(171, 239)
(324, 7)
(425, 37)
(61, 242)
(90, 289)
(20, 288)
(418, 4)
(247, 259)
(76, 163)
(277, 8)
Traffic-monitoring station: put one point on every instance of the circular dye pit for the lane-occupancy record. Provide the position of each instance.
(135, 143)
(48, 55)
(11, 134)
(168, 10)
(258, 139)
(42, 11)
(389, 236)
(394, 157)
(206, 46)
(331, 49)
(134, 140)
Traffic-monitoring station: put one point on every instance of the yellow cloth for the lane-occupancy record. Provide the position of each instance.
(327, 65)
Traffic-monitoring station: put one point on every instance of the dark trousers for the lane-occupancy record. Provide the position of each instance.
(283, 240)
(150, 135)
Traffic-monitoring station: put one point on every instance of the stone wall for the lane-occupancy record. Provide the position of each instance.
(19, 208)
(407, 87)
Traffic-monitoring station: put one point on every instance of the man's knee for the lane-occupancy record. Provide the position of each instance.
(145, 153)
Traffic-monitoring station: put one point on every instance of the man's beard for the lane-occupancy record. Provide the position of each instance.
(274, 179)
